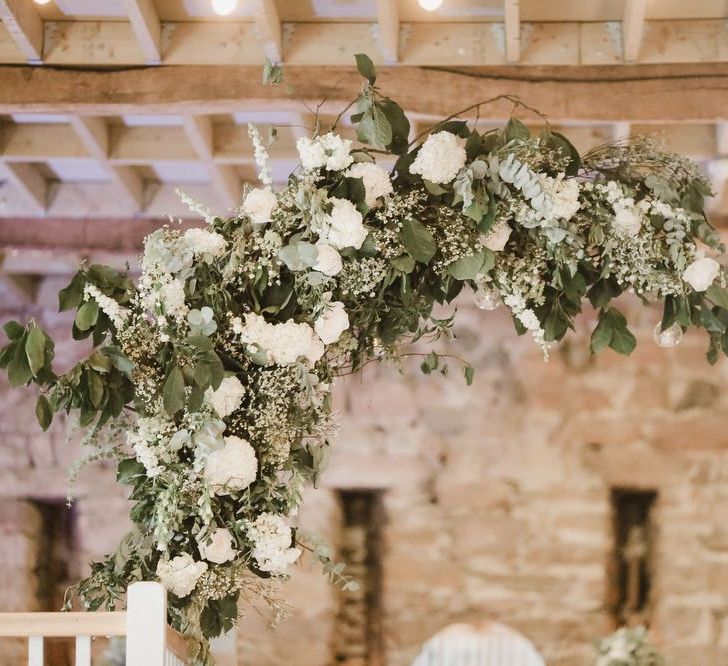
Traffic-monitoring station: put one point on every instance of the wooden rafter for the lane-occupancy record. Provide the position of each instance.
(388, 30)
(147, 28)
(27, 180)
(269, 29)
(25, 27)
(633, 28)
(512, 20)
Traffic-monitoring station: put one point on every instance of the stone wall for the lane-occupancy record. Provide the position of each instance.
(496, 498)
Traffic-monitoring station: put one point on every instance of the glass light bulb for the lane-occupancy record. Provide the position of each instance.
(224, 7)
(670, 337)
(430, 5)
(486, 298)
(42, 2)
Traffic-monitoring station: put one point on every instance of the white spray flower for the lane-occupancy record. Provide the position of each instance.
(218, 547)
(328, 151)
(271, 538)
(180, 574)
(440, 158)
(231, 468)
(332, 323)
(283, 343)
(227, 398)
(259, 204)
(344, 226)
(375, 179)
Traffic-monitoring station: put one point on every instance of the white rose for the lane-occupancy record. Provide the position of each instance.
(329, 151)
(497, 236)
(231, 468)
(218, 548)
(440, 158)
(180, 574)
(332, 323)
(628, 220)
(328, 260)
(259, 204)
(375, 179)
(226, 399)
(345, 226)
(701, 273)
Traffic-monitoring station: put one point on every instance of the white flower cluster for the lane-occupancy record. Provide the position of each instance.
(328, 151)
(217, 547)
(375, 179)
(628, 216)
(172, 299)
(259, 205)
(701, 273)
(227, 398)
(440, 158)
(562, 195)
(343, 227)
(497, 236)
(150, 443)
(180, 574)
(283, 343)
(115, 312)
(271, 538)
(332, 323)
(207, 245)
(528, 318)
(328, 260)
(262, 159)
(232, 468)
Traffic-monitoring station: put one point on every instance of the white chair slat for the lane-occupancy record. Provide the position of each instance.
(35, 651)
(83, 650)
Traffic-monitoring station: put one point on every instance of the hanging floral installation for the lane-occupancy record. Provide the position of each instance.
(210, 379)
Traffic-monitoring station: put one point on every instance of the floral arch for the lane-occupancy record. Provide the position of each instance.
(210, 379)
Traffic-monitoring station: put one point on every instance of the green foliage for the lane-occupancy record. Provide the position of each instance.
(612, 331)
(417, 240)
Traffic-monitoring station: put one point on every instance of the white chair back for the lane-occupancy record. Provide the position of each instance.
(466, 645)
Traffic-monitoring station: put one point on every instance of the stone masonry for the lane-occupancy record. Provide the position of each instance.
(496, 498)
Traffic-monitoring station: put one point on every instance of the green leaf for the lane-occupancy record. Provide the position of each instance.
(299, 255)
(99, 362)
(95, 388)
(469, 374)
(129, 470)
(173, 393)
(366, 67)
(14, 330)
(272, 73)
(400, 125)
(623, 342)
(87, 316)
(35, 345)
(119, 360)
(405, 263)
(515, 130)
(70, 297)
(374, 128)
(467, 268)
(602, 335)
(19, 372)
(559, 141)
(43, 412)
(417, 240)
(717, 296)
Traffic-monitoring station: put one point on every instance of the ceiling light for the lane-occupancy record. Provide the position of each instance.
(42, 2)
(224, 7)
(430, 5)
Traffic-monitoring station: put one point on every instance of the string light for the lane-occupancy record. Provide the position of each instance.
(430, 5)
(224, 7)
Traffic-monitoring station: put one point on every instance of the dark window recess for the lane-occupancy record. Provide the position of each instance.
(358, 629)
(632, 563)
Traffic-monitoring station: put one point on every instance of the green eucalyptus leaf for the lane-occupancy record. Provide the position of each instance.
(366, 67)
(717, 295)
(14, 330)
(71, 297)
(87, 316)
(43, 412)
(405, 263)
(19, 372)
(35, 348)
(119, 359)
(467, 268)
(173, 393)
(417, 240)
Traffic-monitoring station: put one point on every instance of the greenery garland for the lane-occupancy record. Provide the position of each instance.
(210, 379)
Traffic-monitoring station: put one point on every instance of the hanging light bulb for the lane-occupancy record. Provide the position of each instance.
(42, 2)
(224, 7)
(430, 5)
(670, 337)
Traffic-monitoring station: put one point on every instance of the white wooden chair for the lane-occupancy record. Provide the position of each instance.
(490, 644)
(149, 640)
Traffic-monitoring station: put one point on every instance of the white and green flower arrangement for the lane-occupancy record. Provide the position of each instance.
(210, 379)
(628, 647)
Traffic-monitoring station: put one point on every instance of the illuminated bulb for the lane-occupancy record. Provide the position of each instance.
(224, 7)
(670, 337)
(430, 5)
(42, 2)
(486, 299)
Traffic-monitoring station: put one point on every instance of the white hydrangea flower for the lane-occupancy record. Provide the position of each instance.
(375, 178)
(562, 194)
(231, 468)
(217, 547)
(328, 151)
(701, 273)
(497, 236)
(344, 226)
(440, 158)
(259, 205)
(205, 244)
(172, 297)
(180, 574)
(332, 323)
(166, 253)
(271, 537)
(227, 398)
(283, 343)
(328, 260)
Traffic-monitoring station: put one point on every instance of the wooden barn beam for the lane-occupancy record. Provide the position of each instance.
(512, 16)
(25, 27)
(27, 180)
(633, 28)
(269, 29)
(147, 28)
(388, 30)
(642, 93)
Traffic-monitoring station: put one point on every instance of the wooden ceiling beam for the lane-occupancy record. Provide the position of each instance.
(147, 28)
(29, 182)
(512, 20)
(642, 93)
(269, 29)
(633, 28)
(388, 30)
(25, 27)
